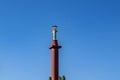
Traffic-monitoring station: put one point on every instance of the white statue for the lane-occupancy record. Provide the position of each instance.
(54, 30)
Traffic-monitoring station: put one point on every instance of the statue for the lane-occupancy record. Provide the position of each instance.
(54, 30)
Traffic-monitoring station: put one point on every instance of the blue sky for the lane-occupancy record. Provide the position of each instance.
(88, 30)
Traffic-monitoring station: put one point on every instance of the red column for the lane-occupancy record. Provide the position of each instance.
(55, 59)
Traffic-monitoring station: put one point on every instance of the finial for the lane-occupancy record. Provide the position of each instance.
(54, 30)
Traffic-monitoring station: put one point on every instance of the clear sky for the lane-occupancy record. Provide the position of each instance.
(88, 30)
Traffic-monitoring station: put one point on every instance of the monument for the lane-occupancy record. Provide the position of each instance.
(55, 56)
